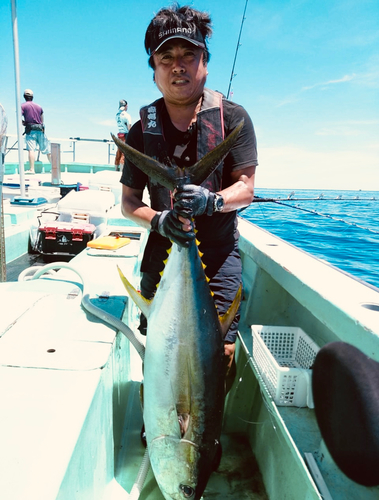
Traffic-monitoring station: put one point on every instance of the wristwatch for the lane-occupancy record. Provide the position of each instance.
(218, 203)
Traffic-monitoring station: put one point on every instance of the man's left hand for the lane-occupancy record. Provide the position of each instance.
(191, 200)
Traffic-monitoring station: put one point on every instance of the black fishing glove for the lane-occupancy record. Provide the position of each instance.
(167, 224)
(191, 200)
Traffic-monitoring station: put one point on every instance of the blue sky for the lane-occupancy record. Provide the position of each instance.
(307, 72)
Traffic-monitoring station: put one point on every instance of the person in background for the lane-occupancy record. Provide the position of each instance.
(124, 123)
(33, 122)
(178, 129)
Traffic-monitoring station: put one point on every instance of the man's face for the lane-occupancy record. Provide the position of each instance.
(180, 73)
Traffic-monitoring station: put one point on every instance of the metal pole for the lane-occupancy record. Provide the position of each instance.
(18, 98)
(3, 141)
(55, 163)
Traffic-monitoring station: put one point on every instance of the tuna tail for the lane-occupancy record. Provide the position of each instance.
(173, 177)
(227, 319)
(140, 301)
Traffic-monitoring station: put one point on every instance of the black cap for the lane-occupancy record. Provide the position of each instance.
(192, 35)
(123, 103)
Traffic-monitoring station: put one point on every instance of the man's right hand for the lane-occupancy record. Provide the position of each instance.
(170, 226)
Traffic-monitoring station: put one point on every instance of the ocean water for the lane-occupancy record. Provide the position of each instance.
(341, 227)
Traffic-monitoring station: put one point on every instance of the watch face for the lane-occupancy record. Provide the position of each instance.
(219, 203)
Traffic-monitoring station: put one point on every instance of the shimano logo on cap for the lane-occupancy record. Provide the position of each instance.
(174, 31)
(191, 34)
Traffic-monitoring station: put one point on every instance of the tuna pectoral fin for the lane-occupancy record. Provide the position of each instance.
(172, 177)
(141, 302)
(204, 167)
(227, 319)
(151, 167)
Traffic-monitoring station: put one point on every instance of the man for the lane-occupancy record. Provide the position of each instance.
(178, 129)
(34, 128)
(124, 123)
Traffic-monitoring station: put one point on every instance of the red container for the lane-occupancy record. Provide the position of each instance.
(64, 238)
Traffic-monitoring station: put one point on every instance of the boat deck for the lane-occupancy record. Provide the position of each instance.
(238, 475)
(15, 268)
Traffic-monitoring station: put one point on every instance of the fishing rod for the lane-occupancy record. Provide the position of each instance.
(257, 199)
(235, 55)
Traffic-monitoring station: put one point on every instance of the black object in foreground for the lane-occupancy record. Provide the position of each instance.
(346, 397)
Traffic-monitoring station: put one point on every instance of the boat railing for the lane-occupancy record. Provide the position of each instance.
(69, 143)
(110, 144)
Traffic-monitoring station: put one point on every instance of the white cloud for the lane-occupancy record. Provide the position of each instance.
(347, 128)
(346, 78)
(287, 100)
(369, 79)
(338, 131)
(293, 167)
(362, 122)
(106, 123)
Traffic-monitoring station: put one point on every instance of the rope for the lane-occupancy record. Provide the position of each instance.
(257, 199)
(11, 148)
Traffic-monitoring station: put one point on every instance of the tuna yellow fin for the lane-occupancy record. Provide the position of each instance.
(164, 262)
(227, 319)
(141, 302)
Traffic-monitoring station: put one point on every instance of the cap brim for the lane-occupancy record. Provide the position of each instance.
(194, 42)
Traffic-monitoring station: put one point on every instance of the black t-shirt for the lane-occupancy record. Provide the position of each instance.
(220, 228)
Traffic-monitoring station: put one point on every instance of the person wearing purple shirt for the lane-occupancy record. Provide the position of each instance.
(34, 128)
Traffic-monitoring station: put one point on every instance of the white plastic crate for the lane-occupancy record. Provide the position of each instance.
(86, 206)
(284, 357)
(107, 180)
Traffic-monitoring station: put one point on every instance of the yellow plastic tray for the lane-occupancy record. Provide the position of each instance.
(108, 242)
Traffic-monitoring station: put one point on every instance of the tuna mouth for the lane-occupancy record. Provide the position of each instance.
(173, 438)
(189, 442)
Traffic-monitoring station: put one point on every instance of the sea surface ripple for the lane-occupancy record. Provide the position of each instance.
(341, 227)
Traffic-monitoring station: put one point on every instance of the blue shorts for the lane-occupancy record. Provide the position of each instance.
(37, 137)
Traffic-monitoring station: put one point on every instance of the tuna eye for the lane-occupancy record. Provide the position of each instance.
(188, 492)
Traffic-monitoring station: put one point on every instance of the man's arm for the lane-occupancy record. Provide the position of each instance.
(191, 200)
(127, 119)
(135, 209)
(241, 193)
